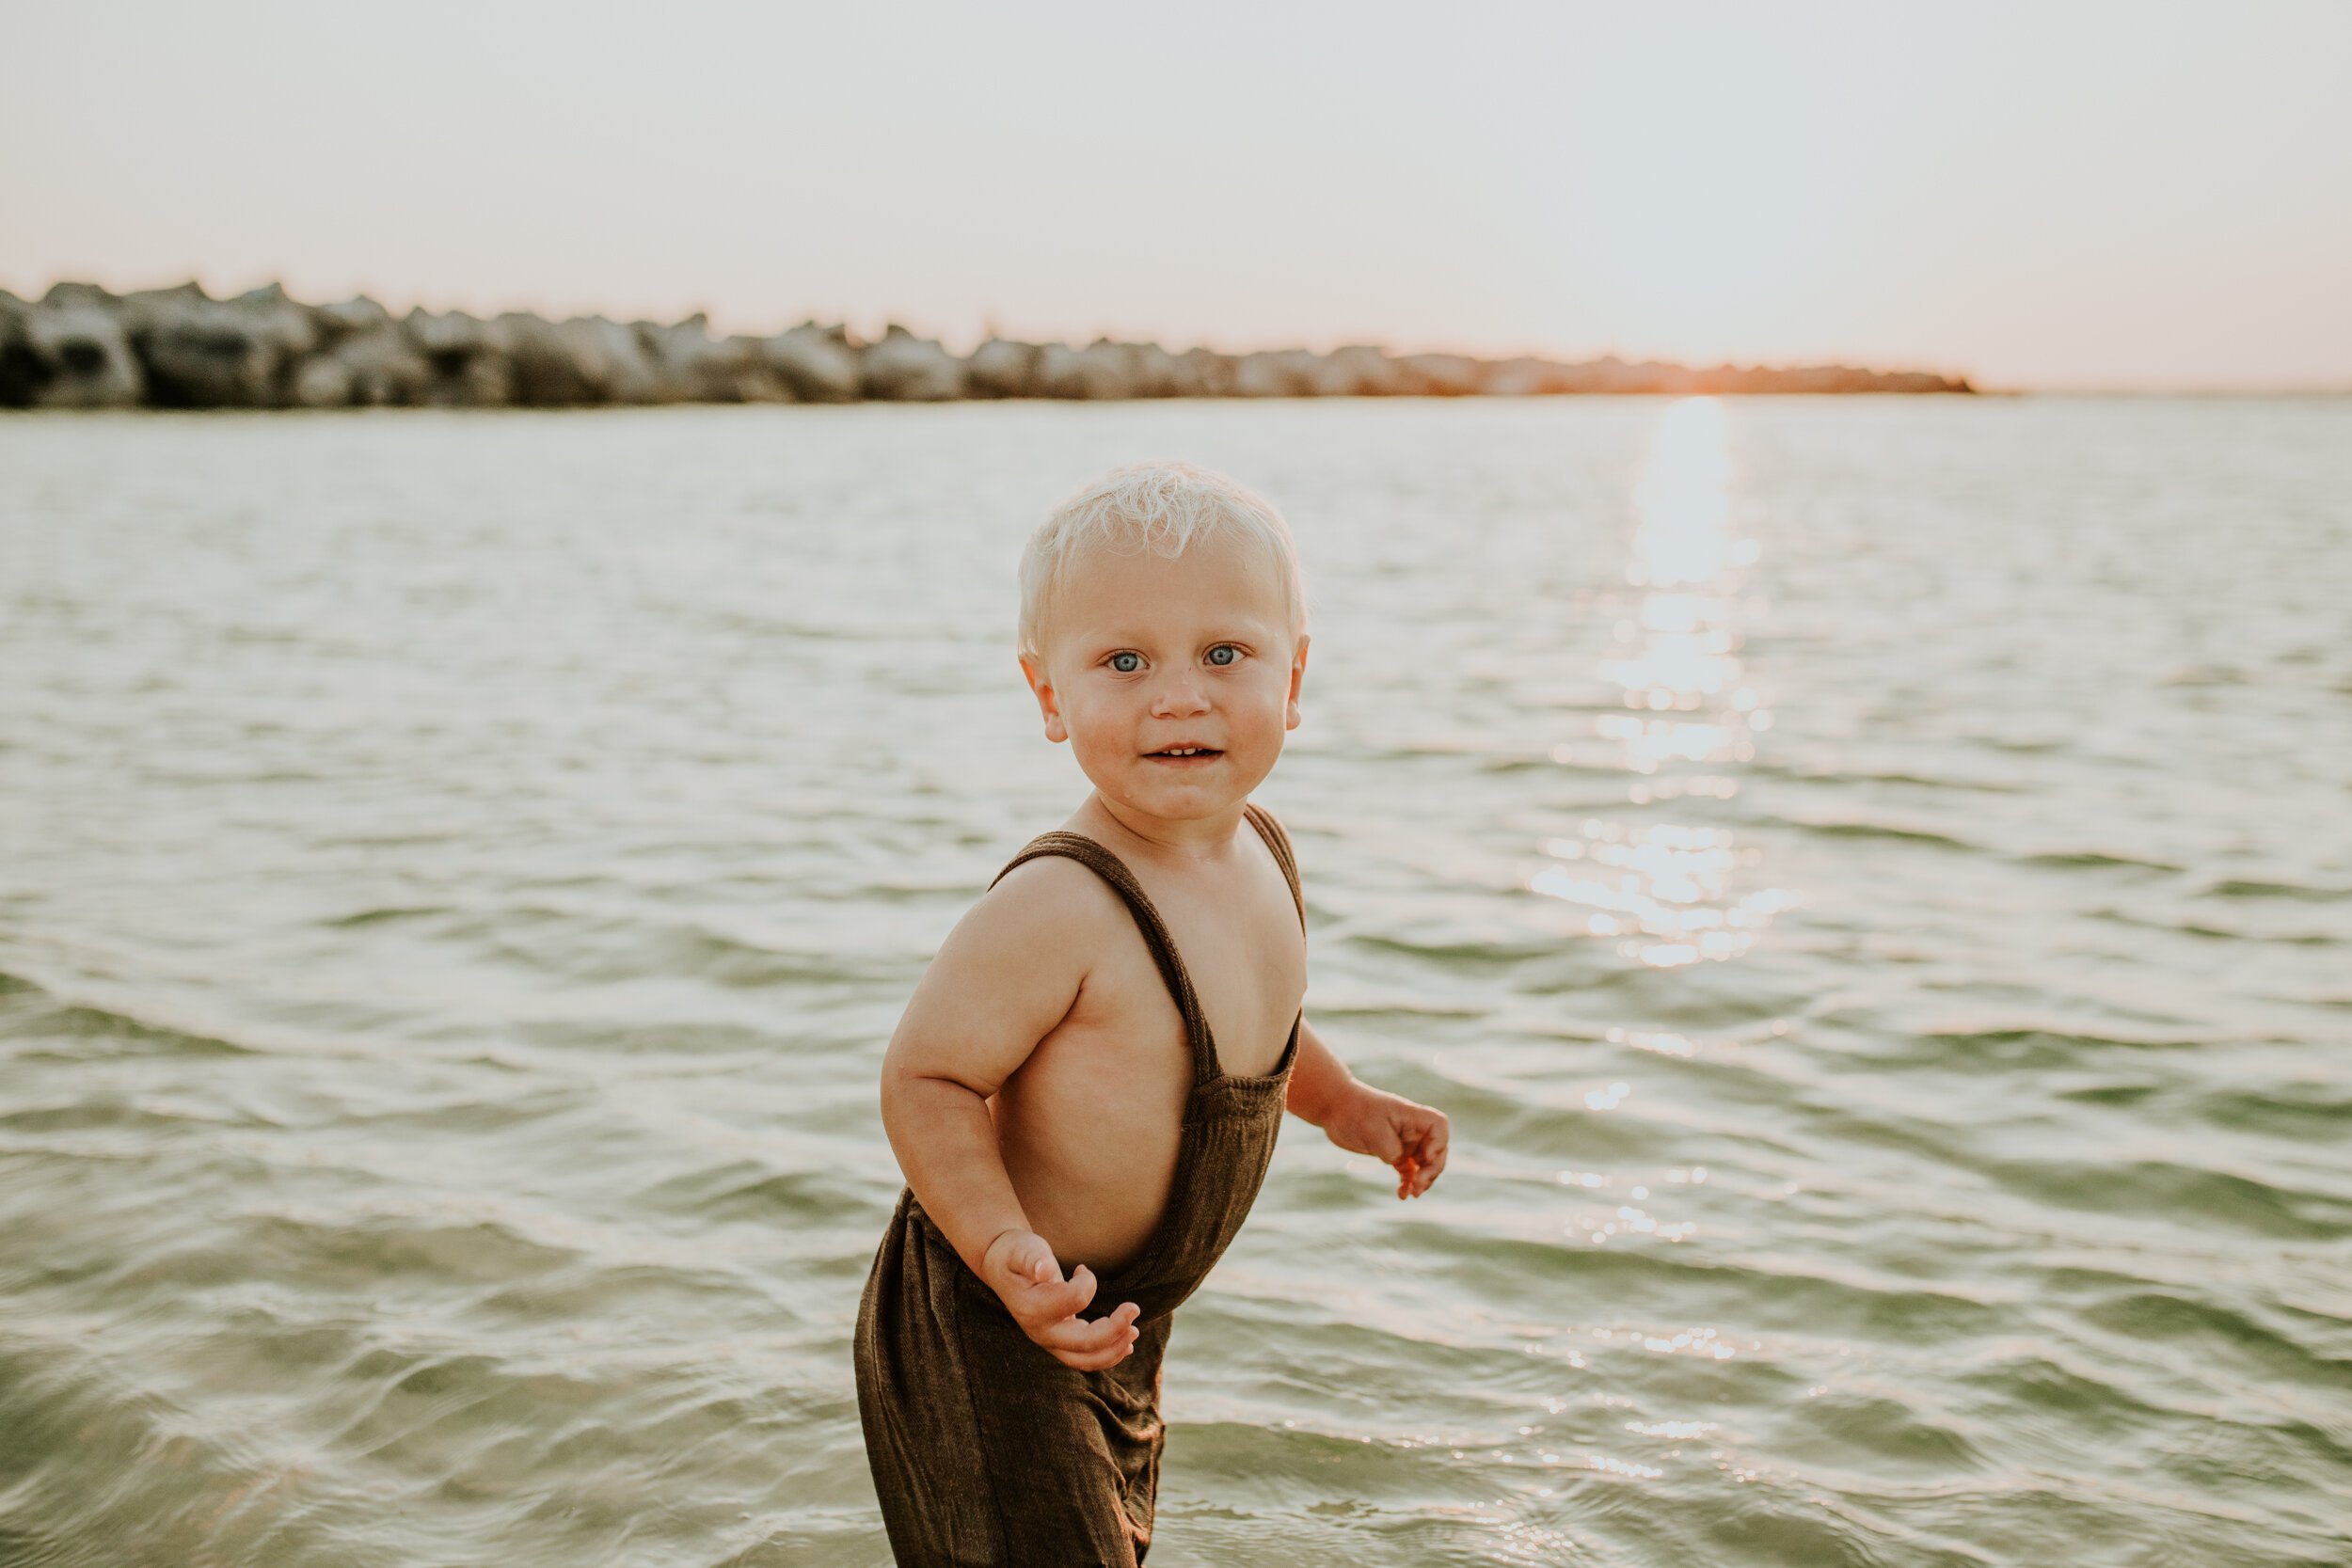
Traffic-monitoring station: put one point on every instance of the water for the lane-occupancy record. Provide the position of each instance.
(1871, 880)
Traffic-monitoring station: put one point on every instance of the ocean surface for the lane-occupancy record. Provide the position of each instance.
(1870, 879)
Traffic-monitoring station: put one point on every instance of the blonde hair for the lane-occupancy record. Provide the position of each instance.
(1162, 508)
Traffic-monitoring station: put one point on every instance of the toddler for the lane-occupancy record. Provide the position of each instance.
(1095, 1068)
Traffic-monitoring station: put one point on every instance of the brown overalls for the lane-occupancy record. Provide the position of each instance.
(987, 1453)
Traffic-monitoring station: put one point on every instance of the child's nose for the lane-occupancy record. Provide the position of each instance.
(1181, 696)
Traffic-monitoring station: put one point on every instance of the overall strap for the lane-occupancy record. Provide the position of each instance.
(1079, 848)
(1279, 841)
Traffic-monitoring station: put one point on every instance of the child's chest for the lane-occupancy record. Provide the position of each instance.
(1247, 958)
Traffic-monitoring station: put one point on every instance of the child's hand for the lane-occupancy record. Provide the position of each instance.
(1410, 1136)
(1023, 1271)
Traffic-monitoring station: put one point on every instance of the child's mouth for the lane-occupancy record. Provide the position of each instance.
(1185, 756)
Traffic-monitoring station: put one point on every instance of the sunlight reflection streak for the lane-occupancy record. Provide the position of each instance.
(1667, 891)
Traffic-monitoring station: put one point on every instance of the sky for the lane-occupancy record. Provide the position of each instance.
(2070, 193)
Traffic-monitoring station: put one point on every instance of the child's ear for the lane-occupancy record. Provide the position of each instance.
(1298, 674)
(1050, 705)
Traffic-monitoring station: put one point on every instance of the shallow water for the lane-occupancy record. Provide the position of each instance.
(1871, 880)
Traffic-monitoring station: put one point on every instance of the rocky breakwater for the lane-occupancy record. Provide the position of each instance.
(81, 347)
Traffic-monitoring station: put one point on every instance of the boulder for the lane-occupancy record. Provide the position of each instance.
(96, 298)
(1527, 377)
(1276, 373)
(1101, 372)
(693, 367)
(321, 381)
(1359, 370)
(683, 356)
(1919, 381)
(1442, 375)
(1597, 376)
(612, 357)
(372, 369)
(465, 359)
(1001, 368)
(582, 362)
(1204, 373)
(357, 314)
(66, 355)
(385, 369)
(1156, 372)
(752, 381)
(539, 356)
(205, 353)
(17, 370)
(903, 367)
(1796, 378)
(816, 364)
(1612, 375)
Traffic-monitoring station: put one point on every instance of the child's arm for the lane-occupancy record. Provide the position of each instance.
(1006, 974)
(1364, 1121)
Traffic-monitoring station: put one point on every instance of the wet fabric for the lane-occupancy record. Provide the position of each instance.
(985, 1449)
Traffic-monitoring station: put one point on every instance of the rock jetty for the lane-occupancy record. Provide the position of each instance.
(81, 347)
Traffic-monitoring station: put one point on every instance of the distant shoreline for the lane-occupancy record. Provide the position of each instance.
(80, 346)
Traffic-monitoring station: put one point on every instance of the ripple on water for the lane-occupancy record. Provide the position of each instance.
(2233, 887)
(33, 1020)
(2307, 1111)
(2182, 1194)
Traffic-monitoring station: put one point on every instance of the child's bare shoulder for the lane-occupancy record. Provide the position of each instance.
(1051, 916)
(1010, 970)
(1052, 895)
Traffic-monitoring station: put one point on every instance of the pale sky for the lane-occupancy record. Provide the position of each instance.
(2069, 193)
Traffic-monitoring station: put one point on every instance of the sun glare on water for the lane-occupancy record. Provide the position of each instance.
(1666, 890)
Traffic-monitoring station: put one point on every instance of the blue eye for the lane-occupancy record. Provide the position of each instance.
(1223, 653)
(1126, 665)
